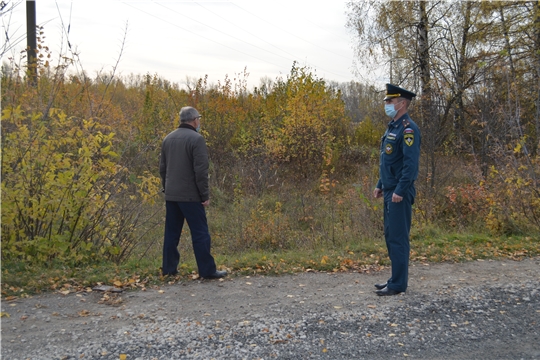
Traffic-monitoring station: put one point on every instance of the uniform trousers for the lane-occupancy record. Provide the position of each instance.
(195, 215)
(397, 227)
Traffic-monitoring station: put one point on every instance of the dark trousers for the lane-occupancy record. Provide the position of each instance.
(397, 227)
(195, 215)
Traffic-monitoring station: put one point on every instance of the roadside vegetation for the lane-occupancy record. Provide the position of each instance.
(293, 165)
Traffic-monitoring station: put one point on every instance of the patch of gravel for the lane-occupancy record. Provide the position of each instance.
(483, 310)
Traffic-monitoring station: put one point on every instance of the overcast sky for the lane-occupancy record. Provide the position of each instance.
(179, 39)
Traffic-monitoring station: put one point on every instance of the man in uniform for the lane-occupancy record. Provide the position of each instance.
(400, 153)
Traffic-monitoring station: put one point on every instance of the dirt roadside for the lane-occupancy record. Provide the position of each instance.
(33, 322)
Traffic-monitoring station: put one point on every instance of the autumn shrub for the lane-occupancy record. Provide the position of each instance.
(320, 213)
(65, 198)
(368, 133)
(312, 119)
(466, 205)
(514, 198)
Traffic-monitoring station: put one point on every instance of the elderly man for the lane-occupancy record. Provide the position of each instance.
(400, 153)
(184, 174)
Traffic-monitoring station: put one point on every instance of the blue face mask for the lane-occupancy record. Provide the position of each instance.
(390, 110)
(198, 129)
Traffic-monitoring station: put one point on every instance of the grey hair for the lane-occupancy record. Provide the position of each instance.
(407, 101)
(188, 114)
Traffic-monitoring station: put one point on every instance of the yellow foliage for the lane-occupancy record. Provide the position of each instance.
(313, 119)
(58, 176)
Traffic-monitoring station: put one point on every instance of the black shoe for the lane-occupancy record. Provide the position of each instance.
(387, 292)
(217, 275)
(381, 286)
(174, 273)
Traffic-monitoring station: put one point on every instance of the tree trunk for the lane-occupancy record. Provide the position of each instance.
(427, 111)
(536, 74)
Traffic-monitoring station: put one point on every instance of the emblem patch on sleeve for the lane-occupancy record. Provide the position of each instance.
(409, 136)
(388, 149)
(409, 139)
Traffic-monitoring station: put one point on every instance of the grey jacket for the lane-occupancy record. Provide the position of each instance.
(183, 166)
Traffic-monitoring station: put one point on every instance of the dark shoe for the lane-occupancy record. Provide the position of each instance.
(174, 273)
(381, 286)
(217, 275)
(387, 292)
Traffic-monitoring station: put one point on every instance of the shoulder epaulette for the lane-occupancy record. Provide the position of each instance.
(406, 122)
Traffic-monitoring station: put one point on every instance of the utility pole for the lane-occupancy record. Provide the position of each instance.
(31, 41)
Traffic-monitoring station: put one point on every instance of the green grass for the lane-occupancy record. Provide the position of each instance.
(427, 245)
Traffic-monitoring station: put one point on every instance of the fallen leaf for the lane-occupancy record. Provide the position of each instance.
(392, 335)
(248, 283)
(371, 306)
(394, 325)
(107, 288)
(324, 350)
(123, 357)
(161, 291)
(337, 307)
(84, 313)
(118, 283)
(4, 314)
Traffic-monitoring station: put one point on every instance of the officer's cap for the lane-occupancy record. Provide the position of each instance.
(393, 91)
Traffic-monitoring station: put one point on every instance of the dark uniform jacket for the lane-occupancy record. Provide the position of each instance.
(183, 166)
(400, 154)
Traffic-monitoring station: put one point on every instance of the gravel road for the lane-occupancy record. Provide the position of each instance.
(476, 310)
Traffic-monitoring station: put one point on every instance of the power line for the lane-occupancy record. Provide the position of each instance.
(252, 34)
(295, 58)
(288, 32)
(204, 37)
(213, 28)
